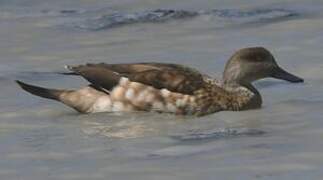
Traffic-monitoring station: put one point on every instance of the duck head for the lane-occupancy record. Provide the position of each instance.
(250, 64)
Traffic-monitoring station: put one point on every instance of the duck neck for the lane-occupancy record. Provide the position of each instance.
(251, 88)
(246, 96)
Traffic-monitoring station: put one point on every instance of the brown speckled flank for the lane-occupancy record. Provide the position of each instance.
(169, 88)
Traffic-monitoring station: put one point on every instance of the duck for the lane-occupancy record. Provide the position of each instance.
(168, 88)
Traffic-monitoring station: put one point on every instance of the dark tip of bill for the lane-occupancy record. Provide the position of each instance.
(284, 75)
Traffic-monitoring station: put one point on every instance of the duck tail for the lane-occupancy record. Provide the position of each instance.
(40, 91)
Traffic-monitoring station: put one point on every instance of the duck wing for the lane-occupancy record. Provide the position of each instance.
(174, 77)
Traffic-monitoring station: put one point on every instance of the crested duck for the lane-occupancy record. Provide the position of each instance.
(170, 88)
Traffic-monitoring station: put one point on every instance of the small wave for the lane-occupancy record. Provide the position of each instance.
(257, 13)
(218, 134)
(118, 19)
(18, 13)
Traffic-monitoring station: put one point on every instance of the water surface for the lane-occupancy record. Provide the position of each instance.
(41, 139)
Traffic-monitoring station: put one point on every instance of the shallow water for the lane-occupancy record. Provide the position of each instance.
(41, 139)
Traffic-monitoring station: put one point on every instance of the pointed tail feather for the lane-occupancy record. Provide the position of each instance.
(72, 98)
(40, 91)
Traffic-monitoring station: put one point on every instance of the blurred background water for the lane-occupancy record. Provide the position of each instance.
(42, 139)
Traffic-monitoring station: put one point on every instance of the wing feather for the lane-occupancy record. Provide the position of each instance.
(174, 77)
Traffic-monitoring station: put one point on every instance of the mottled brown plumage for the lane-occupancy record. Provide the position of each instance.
(169, 87)
(176, 78)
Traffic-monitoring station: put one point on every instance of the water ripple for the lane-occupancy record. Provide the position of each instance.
(118, 19)
(218, 134)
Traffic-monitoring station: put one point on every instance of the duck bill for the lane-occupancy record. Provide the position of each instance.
(284, 75)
